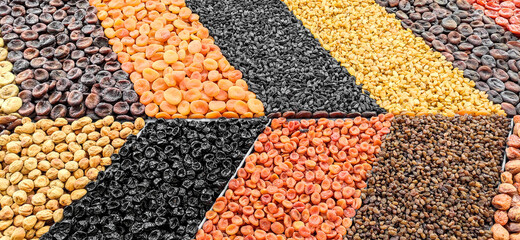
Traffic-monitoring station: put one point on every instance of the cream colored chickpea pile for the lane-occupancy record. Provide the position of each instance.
(9, 100)
(46, 165)
(398, 69)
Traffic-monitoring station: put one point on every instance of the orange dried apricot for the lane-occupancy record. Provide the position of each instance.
(173, 96)
(173, 62)
(199, 107)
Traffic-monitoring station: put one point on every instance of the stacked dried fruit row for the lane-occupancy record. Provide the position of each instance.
(283, 63)
(434, 179)
(160, 184)
(9, 100)
(507, 202)
(46, 165)
(174, 64)
(399, 70)
(303, 180)
(488, 54)
(63, 63)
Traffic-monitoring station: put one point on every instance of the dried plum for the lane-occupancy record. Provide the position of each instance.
(149, 191)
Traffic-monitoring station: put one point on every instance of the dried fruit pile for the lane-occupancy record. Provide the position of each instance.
(488, 54)
(505, 12)
(281, 60)
(63, 63)
(399, 70)
(46, 165)
(434, 179)
(9, 100)
(507, 200)
(173, 62)
(161, 183)
(303, 180)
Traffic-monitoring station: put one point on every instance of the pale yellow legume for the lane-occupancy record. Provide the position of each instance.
(9, 100)
(46, 165)
(398, 69)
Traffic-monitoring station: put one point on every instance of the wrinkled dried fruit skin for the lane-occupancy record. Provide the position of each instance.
(501, 217)
(507, 188)
(47, 164)
(492, 50)
(355, 37)
(174, 64)
(401, 168)
(173, 172)
(502, 202)
(298, 147)
(513, 166)
(319, 89)
(514, 214)
(52, 50)
(499, 232)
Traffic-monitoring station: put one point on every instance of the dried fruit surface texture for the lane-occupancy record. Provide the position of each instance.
(9, 100)
(63, 63)
(434, 179)
(507, 200)
(46, 166)
(399, 70)
(161, 184)
(488, 54)
(505, 12)
(281, 60)
(302, 181)
(174, 64)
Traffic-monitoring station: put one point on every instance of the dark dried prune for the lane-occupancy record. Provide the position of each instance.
(74, 73)
(84, 42)
(40, 62)
(16, 45)
(77, 111)
(55, 27)
(130, 96)
(111, 94)
(75, 98)
(121, 108)
(58, 111)
(63, 84)
(61, 51)
(103, 109)
(29, 35)
(55, 97)
(43, 108)
(47, 52)
(27, 109)
(77, 54)
(137, 109)
(40, 90)
(68, 64)
(13, 56)
(91, 50)
(30, 53)
(92, 100)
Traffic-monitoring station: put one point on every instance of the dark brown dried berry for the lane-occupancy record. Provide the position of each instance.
(409, 193)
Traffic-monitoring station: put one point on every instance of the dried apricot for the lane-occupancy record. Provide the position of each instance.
(173, 96)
